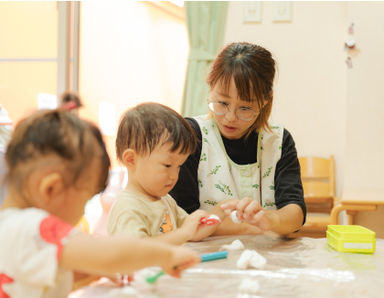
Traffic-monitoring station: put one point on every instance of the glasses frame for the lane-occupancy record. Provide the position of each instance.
(211, 102)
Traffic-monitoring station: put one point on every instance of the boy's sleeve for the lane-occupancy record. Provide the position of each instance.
(126, 217)
(181, 216)
(180, 213)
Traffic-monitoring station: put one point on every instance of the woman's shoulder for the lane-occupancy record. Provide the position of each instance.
(195, 125)
(193, 122)
(288, 138)
(273, 129)
(200, 120)
(281, 129)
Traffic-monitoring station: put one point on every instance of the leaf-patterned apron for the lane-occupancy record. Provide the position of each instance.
(220, 178)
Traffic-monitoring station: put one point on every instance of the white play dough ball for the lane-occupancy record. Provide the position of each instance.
(251, 258)
(234, 217)
(235, 245)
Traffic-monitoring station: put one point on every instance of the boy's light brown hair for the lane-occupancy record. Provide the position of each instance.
(148, 125)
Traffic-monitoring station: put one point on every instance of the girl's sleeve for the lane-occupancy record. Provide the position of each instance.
(38, 247)
(186, 191)
(288, 185)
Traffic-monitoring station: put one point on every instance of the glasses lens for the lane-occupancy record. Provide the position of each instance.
(245, 114)
(217, 108)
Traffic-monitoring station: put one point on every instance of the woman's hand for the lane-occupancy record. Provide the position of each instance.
(251, 212)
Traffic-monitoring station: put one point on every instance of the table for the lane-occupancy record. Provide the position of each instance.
(301, 267)
(353, 201)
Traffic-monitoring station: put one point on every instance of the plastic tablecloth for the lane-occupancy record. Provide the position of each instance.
(302, 267)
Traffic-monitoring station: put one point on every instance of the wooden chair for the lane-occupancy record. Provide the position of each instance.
(318, 177)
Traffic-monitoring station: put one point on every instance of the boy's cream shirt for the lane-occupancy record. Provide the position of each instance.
(134, 214)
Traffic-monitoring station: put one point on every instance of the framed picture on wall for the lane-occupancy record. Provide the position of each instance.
(282, 11)
(252, 12)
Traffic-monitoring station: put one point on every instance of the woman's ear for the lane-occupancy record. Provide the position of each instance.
(269, 99)
(129, 157)
(50, 186)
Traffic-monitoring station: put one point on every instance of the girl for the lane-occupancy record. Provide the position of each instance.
(242, 155)
(56, 163)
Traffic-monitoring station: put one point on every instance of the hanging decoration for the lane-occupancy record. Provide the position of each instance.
(350, 45)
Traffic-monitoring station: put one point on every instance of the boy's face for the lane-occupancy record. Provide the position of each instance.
(157, 173)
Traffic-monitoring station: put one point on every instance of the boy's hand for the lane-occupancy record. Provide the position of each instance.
(192, 222)
(180, 259)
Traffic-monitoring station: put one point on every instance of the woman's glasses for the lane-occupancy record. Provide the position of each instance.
(242, 113)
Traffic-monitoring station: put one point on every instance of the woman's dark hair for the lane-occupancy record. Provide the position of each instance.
(148, 125)
(253, 70)
(58, 132)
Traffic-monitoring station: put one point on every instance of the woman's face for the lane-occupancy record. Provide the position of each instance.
(229, 124)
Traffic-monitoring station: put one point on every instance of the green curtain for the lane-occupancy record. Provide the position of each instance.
(206, 25)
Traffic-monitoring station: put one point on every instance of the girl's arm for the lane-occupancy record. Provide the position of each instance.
(175, 237)
(110, 255)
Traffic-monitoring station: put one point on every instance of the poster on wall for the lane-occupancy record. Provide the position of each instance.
(252, 12)
(282, 11)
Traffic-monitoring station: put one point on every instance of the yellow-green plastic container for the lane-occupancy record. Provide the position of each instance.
(351, 238)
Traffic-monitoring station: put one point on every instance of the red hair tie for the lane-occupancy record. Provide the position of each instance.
(70, 105)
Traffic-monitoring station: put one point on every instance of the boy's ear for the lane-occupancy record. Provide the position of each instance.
(50, 186)
(129, 157)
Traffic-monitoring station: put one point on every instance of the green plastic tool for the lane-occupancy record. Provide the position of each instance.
(204, 258)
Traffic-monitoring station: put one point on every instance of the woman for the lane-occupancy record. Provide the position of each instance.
(242, 155)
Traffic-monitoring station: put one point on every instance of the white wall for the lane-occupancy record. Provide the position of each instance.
(365, 109)
(365, 99)
(131, 52)
(310, 86)
(328, 107)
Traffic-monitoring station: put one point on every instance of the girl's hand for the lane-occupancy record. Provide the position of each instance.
(180, 259)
